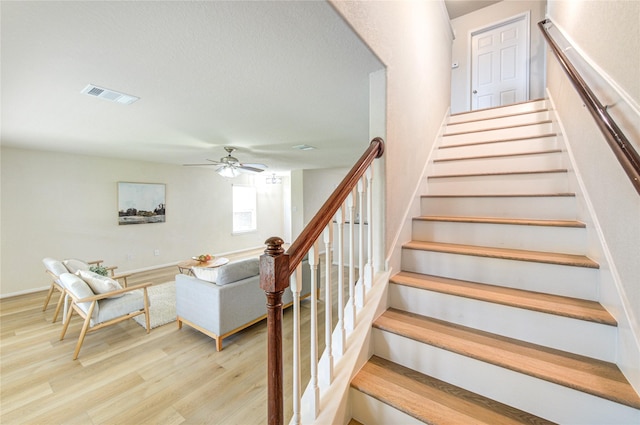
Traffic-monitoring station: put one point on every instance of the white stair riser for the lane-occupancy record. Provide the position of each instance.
(540, 207)
(491, 113)
(370, 411)
(576, 282)
(500, 184)
(545, 399)
(577, 336)
(489, 123)
(541, 161)
(535, 144)
(568, 240)
(499, 134)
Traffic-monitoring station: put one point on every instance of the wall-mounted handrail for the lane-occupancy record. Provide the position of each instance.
(276, 267)
(619, 143)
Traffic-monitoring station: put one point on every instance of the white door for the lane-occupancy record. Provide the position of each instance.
(500, 64)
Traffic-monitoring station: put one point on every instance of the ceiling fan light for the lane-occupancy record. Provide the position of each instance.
(228, 172)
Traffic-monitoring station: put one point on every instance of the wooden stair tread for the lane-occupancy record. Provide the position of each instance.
(488, 142)
(507, 195)
(595, 377)
(505, 155)
(499, 173)
(506, 127)
(431, 400)
(535, 301)
(495, 108)
(499, 220)
(505, 253)
(354, 422)
(496, 117)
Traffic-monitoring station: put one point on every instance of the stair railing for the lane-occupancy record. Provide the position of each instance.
(279, 268)
(619, 143)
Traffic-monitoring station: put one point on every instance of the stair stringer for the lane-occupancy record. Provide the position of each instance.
(611, 291)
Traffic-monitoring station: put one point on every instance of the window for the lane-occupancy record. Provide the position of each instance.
(244, 209)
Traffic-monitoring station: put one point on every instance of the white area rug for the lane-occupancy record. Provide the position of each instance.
(162, 305)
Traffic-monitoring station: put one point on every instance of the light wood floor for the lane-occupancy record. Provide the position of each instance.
(124, 376)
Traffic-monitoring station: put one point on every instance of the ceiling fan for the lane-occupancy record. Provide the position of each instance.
(228, 166)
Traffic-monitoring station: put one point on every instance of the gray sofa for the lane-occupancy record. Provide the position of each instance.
(232, 301)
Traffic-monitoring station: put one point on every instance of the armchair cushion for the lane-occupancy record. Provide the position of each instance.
(99, 284)
(54, 266)
(113, 307)
(73, 265)
(79, 289)
(239, 270)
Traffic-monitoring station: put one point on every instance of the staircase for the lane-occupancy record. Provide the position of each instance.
(494, 317)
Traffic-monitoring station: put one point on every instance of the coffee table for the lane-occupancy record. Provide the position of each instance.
(185, 266)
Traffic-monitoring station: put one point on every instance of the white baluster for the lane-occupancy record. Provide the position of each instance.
(360, 285)
(296, 283)
(351, 319)
(341, 337)
(328, 301)
(313, 265)
(369, 267)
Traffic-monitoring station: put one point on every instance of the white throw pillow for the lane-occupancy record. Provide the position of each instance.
(73, 265)
(99, 284)
(207, 274)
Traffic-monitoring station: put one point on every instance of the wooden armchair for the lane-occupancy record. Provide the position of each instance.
(102, 309)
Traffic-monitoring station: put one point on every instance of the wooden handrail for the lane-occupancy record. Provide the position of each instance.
(276, 266)
(619, 143)
(311, 233)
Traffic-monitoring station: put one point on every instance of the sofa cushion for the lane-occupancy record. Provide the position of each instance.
(99, 284)
(207, 274)
(239, 270)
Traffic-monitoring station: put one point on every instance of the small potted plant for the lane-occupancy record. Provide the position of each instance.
(99, 270)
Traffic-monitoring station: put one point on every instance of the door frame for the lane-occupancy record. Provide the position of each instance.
(526, 16)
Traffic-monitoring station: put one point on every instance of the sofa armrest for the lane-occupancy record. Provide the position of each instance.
(219, 309)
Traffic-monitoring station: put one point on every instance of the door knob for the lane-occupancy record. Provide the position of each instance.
(475, 92)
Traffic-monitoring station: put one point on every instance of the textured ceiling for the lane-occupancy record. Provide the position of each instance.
(261, 76)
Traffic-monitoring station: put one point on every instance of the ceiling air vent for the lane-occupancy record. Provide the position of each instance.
(110, 95)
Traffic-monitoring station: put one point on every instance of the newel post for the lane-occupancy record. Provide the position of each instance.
(274, 279)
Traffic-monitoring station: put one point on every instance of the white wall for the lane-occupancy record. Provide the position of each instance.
(61, 206)
(611, 196)
(461, 52)
(318, 185)
(413, 40)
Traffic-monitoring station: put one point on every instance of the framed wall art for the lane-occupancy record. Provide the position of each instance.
(141, 203)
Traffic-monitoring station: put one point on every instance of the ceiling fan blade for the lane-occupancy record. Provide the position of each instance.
(245, 167)
(253, 165)
(196, 165)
